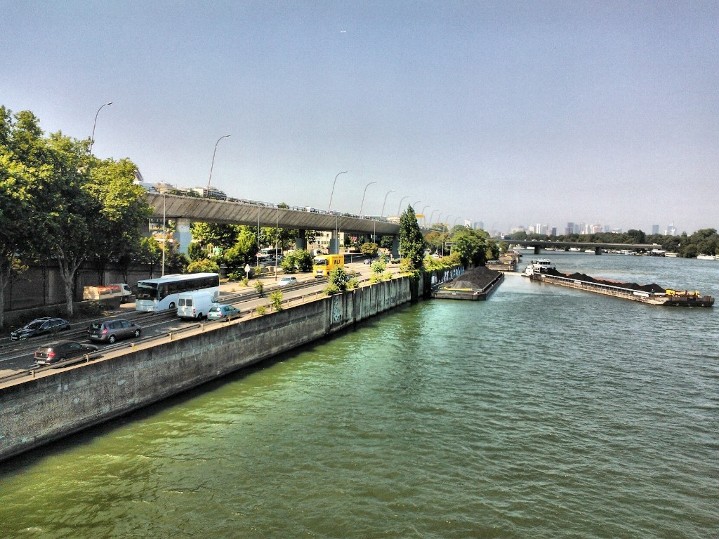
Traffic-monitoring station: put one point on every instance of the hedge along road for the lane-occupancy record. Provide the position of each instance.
(17, 357)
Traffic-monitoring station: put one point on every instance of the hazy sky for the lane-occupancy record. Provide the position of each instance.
(509, 113)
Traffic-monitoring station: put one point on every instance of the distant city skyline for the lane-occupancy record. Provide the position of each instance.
(482, 111)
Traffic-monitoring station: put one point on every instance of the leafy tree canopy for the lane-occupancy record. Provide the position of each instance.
(411, 242)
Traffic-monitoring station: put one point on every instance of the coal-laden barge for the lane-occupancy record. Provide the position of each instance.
(651, 294)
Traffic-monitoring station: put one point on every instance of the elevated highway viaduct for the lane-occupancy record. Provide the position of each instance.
(185, 210)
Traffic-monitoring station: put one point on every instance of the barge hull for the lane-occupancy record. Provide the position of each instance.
(684, 299)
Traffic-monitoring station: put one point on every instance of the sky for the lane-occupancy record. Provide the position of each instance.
(506, 113)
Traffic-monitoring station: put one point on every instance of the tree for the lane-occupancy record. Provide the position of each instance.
(210, 235)
(67, 210)
(473, 246)
(203, 266)
(18, 176)
(411, 242)
(369, 249)
(242, 252)
(123, 209)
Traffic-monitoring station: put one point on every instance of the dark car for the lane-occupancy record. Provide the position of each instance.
(61, 350)
(113, 330)
(40, 326)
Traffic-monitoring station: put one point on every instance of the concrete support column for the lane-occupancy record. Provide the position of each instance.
(395, 247)
(301, 240)
(183, 236)
(537, 249)
(334, 243)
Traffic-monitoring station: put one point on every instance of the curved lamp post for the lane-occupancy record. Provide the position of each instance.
(400, 205)
(385, 201)
(430, 217)
(363, 195)
(94, 124)
(415, 204)
(329, 208)
(213, 162)
(424, 217)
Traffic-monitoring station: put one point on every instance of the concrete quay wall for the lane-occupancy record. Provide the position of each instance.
(43, 409)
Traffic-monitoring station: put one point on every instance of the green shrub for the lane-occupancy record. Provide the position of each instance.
(379, 266)
(276, 298)
(331, 289)
(259, 287)
(261, 309)
(353, 283)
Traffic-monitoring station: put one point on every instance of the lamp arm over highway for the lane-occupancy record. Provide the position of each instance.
(385, 201)
(329, 208)
(399, 208)
(213, 161)
(92, 138)
(363, 195)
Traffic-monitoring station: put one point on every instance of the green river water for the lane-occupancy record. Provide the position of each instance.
(543, 412)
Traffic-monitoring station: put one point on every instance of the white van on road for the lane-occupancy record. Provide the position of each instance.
(195, 304)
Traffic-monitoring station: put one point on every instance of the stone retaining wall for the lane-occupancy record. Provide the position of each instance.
(44, 409)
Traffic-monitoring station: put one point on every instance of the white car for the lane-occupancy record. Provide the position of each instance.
(285, 281)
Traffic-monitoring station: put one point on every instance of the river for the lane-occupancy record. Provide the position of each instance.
(543, 412)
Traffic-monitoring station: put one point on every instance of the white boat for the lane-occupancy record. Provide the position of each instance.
(538, 266)
(706, 257)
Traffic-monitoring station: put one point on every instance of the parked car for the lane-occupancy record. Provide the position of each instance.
(61, 350)
(113, 330)
(285, 281)
(218, 312)
(40, 326)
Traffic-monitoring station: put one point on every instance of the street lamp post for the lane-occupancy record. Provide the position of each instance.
(164, 233)
(385, 201)
(424, 217)
(213, 162)
(363, 195)
(94, 124)
(399, 208)
(430, 217)
(329, 209)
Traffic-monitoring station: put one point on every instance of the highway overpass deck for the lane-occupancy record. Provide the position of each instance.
(238, 212)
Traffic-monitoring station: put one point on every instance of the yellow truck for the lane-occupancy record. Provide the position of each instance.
(322, 265)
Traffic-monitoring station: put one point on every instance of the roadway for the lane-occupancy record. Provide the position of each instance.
(16, 357)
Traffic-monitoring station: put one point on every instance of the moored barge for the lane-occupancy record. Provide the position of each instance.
(651, 294)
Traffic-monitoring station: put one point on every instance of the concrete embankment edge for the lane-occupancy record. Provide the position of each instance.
(42, 410)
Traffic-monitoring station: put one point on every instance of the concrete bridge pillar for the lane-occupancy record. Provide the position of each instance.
(537, 249)
(395, 247)
(334, 243)
(301, 240)
(183, 236)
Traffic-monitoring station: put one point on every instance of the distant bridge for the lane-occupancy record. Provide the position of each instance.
(538, 245)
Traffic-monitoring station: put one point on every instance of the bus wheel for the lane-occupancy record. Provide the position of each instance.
(172, 306)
